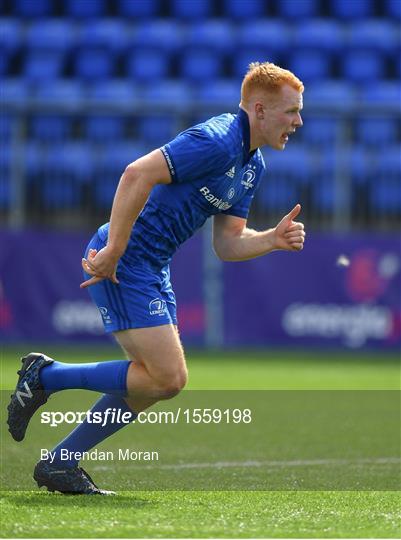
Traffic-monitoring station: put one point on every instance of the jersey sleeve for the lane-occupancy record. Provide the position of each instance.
(241, 208)
(194, 154)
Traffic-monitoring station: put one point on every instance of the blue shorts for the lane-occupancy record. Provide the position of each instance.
(143, 298)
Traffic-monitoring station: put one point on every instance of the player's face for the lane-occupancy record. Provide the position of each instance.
(282, 116)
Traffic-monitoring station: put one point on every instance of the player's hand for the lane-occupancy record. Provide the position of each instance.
(100, 265)
(290, 234)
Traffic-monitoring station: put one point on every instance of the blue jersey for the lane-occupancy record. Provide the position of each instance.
(212, 172)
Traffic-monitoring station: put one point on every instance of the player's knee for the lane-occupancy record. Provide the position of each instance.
(173, 384)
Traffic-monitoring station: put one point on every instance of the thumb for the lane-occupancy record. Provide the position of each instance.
(294, 212)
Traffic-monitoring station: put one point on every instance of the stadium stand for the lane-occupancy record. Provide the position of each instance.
(298, 10)
(355, 9)
(200, 65)
(244, 9)
(54, 34)
(87, 9)
(147, 65)
(33, 8)
(82, 67)
(113, 91)
(194, 10)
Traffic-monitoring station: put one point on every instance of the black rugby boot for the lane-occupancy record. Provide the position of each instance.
(67, 480)
(29, 394)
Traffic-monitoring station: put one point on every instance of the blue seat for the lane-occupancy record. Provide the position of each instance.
(271, 35)
(85, 9)
(66, 169)
(5, 189)
(375, 34)
(223, 92)
(215, 34)
(361, 164)
(386, 199)
(102, 192)
(5, 180)
(33, 8)
(310, 64)
(200, 64)
(355, 9)
(14, 92)
(320, 130)
(331, 94)
(324, 196)
(10, 34)
(42, 65)
(244, 9)
(138, 10)
(385, 187)
(383, 94)
(195, 9)
(277, 195)
(51, 127)
(66, 92)
(69, 160)
(363, 65)
(34, 160)
(323, 192)
(60, 194)
(377, 131)
(157, 130)
(297, 9)
(398, 66)
(393, 8)
(166, 35)
(104, 33)
(109, 167)
(147, 64)
(173, 93)
(240, 62)
(389, 163)
(94, 63)
(104, 128)
(5, 62)
(293, 165)
(115, 91)
(114, 159)
(323, 34)
(6, 127)
(51, 35)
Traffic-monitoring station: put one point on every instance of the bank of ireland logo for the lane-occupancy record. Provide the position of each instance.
(157, 307)
(105, 315)
(231, 193)
(248, 177)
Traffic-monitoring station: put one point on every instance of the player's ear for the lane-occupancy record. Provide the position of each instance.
(259, 111)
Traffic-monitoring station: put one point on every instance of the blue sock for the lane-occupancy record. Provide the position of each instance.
(87, 435)
(107, 377)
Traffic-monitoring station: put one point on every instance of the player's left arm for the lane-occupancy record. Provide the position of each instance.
(234, 241)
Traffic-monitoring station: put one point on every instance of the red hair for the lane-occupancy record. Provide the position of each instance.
(268, 77)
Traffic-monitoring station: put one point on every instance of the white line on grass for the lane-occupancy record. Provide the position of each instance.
(268, 464)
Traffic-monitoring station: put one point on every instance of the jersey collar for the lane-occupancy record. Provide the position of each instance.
(246, 136)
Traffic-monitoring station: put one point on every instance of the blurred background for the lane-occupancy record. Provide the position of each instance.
(87, 86)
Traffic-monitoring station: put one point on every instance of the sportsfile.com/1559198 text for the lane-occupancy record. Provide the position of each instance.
(180, 415)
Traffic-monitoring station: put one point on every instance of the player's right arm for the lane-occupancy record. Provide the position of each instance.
(131, 195)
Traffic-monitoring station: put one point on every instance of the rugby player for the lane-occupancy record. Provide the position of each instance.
(211, 169)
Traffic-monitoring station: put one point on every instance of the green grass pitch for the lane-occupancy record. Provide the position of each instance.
(31, 513)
